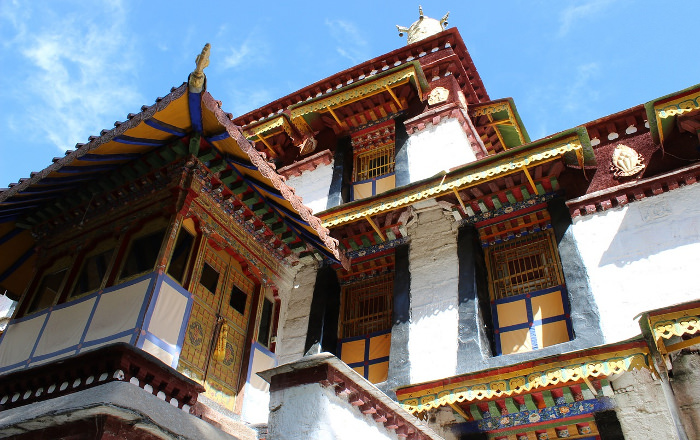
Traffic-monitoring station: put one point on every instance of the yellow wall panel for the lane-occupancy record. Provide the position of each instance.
(511, 313)
(362, 190)
(353, 351)
(386, 183)
(547, 306)
(378, 372)
(552, 333)
(515, 341)
(379, 346)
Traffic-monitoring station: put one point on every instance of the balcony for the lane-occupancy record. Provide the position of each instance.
(149, 312)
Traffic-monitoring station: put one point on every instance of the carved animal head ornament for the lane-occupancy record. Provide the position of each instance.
(626, 161)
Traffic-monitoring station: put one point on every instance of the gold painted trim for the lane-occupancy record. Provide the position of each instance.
(517, 382)
(675, 107)
(457, 181)
(679, 324)
(354, 93)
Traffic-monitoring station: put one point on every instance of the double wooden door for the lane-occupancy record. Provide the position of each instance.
(212, 351)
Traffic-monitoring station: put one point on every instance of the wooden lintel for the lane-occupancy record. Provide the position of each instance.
(681, 345)
(269, 147)
(391, 92)
(376, 228)
(459, 411)
(529, 179)
(590, 386)
(461, 202)
(342, 125)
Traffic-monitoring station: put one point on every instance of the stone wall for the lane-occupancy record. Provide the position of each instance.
(641, 408)
(686, 386)
(433, 328)
(295, 304)
(641, 257)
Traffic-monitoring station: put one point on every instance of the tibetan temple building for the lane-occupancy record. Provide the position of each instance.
(385, 254)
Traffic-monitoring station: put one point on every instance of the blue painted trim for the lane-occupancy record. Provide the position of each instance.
(123, 139)
(108, 338)
(165, 127)
(9, 218)
(17, 264)
(89, 321)
(194, 101)
(374, 184)
(146, 301)
(371, 335)
(13, 366)
(155, 340)
(73, 348)
(20, 209)
(218, 137)
(367, 363)
(76, 169)
(52, 181)
(109, 157)
(41, 332)
(236, 162)
(257, 346)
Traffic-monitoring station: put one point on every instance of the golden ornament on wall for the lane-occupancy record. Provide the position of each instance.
(438, 95)
(626, 161)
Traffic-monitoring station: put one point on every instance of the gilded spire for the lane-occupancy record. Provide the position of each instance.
(197, 77)
(424, 27)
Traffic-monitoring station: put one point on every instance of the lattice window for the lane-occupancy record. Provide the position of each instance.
(367, 306)
(523, 265)
(374, 163)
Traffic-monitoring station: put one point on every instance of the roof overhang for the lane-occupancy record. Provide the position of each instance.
(663, 112)
(574, 367)
(571, 145)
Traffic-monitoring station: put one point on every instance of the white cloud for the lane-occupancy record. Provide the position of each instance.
(78, 71)
(351, 44)
(580, 93)
(581, 10)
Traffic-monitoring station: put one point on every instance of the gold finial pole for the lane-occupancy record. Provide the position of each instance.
(197, 77)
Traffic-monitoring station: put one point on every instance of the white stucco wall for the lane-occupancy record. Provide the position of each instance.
(437, 148)
(434, 322)
(312, 412)
(642, 256)
(312, 186)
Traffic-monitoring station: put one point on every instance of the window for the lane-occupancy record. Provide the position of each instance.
(374, 163)
(142, 254)
(524, 265)
(92, 273)
(209, 278)
(367, 306)
(181, 256)
(265, 329)
(48, 290)
(238, 299)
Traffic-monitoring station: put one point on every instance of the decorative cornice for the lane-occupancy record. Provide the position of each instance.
(366, 87)
(491, 167)
(329, 372)
(310, 163)
(114, 362)
(514, 381)
(266, 171)
(623, 194)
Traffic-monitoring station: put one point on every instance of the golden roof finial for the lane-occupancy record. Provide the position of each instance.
(424, 27)
(197, 77)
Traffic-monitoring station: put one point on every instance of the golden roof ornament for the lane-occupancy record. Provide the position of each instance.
(423, 28)
(626, 161)
(197, 77)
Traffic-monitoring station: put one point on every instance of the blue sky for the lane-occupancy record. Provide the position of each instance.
(71, 68)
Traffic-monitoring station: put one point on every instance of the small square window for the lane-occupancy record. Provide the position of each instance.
(209, 278)
(238, 299)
